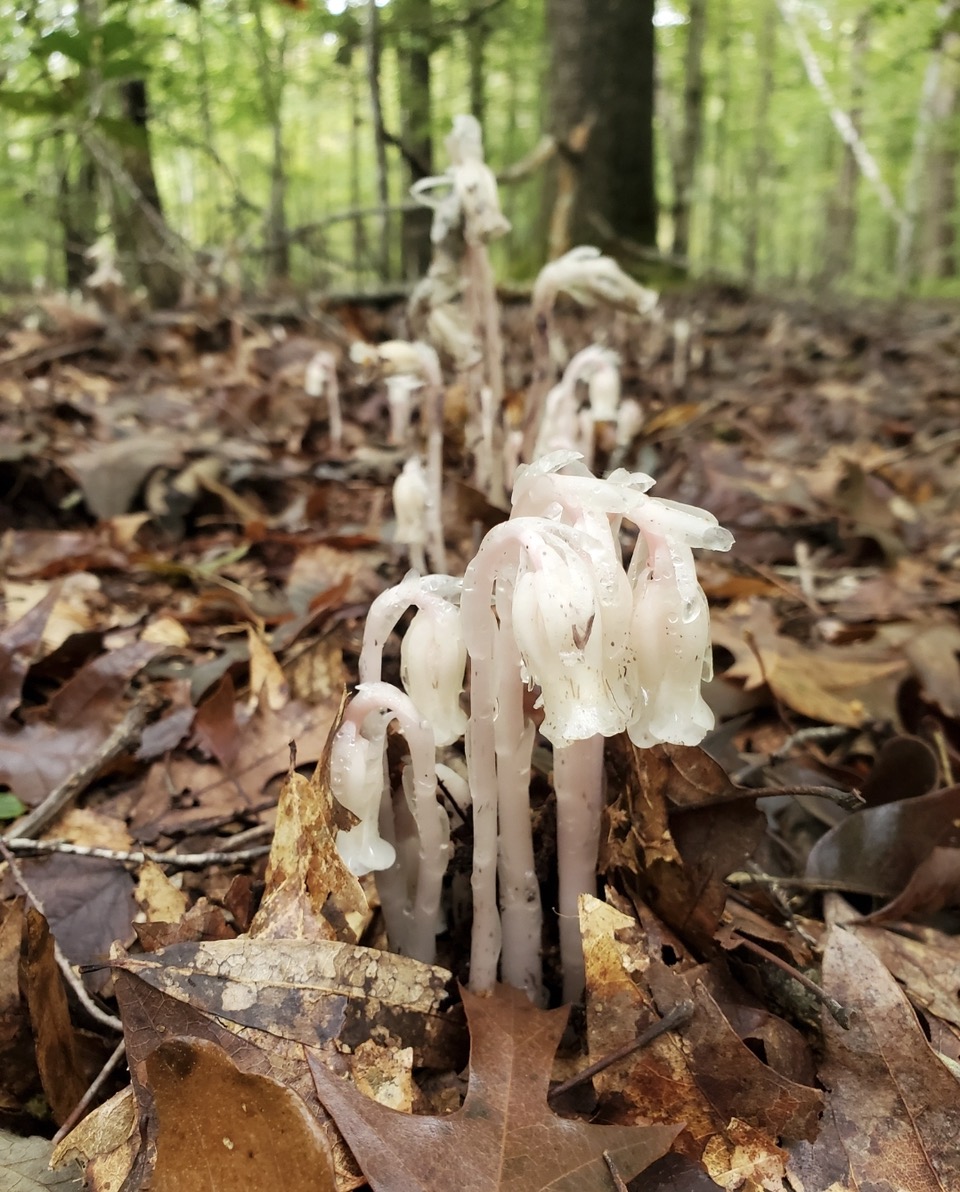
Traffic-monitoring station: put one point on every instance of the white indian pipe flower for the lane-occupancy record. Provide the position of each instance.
(400, 390)
(410, 495)
(357, 782)
(670, 635)
(590, 277)
(432, 663)
(562, 637)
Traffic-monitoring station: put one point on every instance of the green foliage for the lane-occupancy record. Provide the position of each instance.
(218, 71)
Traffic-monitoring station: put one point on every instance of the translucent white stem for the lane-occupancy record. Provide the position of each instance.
(521, 913)
(578, 781)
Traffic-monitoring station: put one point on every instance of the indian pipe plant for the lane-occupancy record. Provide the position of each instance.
(548, 605)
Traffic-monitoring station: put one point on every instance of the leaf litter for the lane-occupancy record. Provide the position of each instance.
(185, 556)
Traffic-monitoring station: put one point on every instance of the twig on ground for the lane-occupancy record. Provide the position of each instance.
(79, 1110)
(18, 845)
(840, 1014)
(34, 822)
(614, 1174)
(66, 968)
(679, 1016)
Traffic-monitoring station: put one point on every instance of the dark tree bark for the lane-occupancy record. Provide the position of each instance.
(141, 231)
(602, 78)
(414, 24)
(77, 212)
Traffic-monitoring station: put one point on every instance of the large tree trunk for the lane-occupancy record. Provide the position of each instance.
(414, 23)
(718, 189)
(602, 77)
(686, 160)
(139, 226)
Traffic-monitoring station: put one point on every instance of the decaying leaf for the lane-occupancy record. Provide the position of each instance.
(310, 894)
(309, 992)
(23, 1166)
(737, 1111)
(894, 1112)
(223, 1130)
(504, 1138)
(878, 849)
(676, 829)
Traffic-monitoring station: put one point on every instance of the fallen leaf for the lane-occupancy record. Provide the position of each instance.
(310, 992)
(223, 1130)
(105, 1143)
(310, 894)
(23, 1166)
(893, 1118)
(111, 475)
(877, 850)
(504, 1138)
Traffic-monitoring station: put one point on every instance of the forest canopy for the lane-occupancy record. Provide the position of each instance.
(251, 142)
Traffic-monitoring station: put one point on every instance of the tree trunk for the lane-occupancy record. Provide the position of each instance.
(414, 23)
(380, 142)
(717, 207)
(839, 250)
(272, 66)
(477, 33)
(759, 163)
(940, 259)
(139, 226)
(602, 82)
(77, 210)
(686, 162)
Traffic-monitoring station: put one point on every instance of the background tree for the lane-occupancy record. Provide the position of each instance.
(600, 87)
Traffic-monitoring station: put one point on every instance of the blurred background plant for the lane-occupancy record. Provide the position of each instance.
(232, 145)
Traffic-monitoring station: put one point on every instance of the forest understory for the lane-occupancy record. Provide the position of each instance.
(186, 565)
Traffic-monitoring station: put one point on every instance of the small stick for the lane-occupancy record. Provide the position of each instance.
(66, 968)
(840, 1014)
(812, 884)
(614, 1174)
(139, 856)
(34, 822)
(679, 1016)
(79, 1110)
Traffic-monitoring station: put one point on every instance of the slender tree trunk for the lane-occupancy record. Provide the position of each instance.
(478, 31)
(686, 162)
(272, 65)
(76, 209)
(602, 79)
(139, 224)
(716, 210)
(759, 164)
(414, 23)
(379, 140)
(940, 260)
(840, 234)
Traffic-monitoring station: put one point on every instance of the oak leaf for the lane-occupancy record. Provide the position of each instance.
(504, 1138)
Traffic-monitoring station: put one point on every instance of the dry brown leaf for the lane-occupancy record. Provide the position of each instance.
(504, 1138)
(309, 992)
(105, 1142)
(832, 684)
(223, 1130)
(893, 1118)
(310, 894)
(735, 1109)
(158, 898)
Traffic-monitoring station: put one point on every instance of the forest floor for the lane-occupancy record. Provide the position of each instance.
(185, 571)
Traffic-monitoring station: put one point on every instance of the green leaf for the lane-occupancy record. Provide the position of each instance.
(116, 36)
(10, 806)
(126, 66)
(75, 46)
(34, 103)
